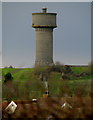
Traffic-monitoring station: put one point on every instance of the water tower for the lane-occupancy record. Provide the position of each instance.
(44, 23)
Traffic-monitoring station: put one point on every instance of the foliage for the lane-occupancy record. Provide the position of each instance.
(51, 109)
(28, 85)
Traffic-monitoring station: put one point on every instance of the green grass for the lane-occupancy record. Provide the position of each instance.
(79, 70)
(58, 87)
(28, 85)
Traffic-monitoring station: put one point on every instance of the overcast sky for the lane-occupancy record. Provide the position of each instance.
(72, 37)
(46, 0)
(0, 34)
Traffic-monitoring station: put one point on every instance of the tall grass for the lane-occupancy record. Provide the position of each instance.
(27, 84)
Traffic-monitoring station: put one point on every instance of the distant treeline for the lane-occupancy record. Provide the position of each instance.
(78, 65)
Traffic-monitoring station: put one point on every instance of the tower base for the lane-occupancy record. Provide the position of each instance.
(43, 63)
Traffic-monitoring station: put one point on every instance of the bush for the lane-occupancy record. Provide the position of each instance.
(8, 77)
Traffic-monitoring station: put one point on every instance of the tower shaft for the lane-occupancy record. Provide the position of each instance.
(44, 46)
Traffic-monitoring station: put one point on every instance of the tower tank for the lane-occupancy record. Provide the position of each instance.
(44, 23)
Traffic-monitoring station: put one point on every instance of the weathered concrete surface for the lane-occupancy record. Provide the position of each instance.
(44, 46)
(44, 24)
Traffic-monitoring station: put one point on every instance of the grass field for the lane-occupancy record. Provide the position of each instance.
(28, 85)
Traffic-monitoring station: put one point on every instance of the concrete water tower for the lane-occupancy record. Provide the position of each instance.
(44, 23)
